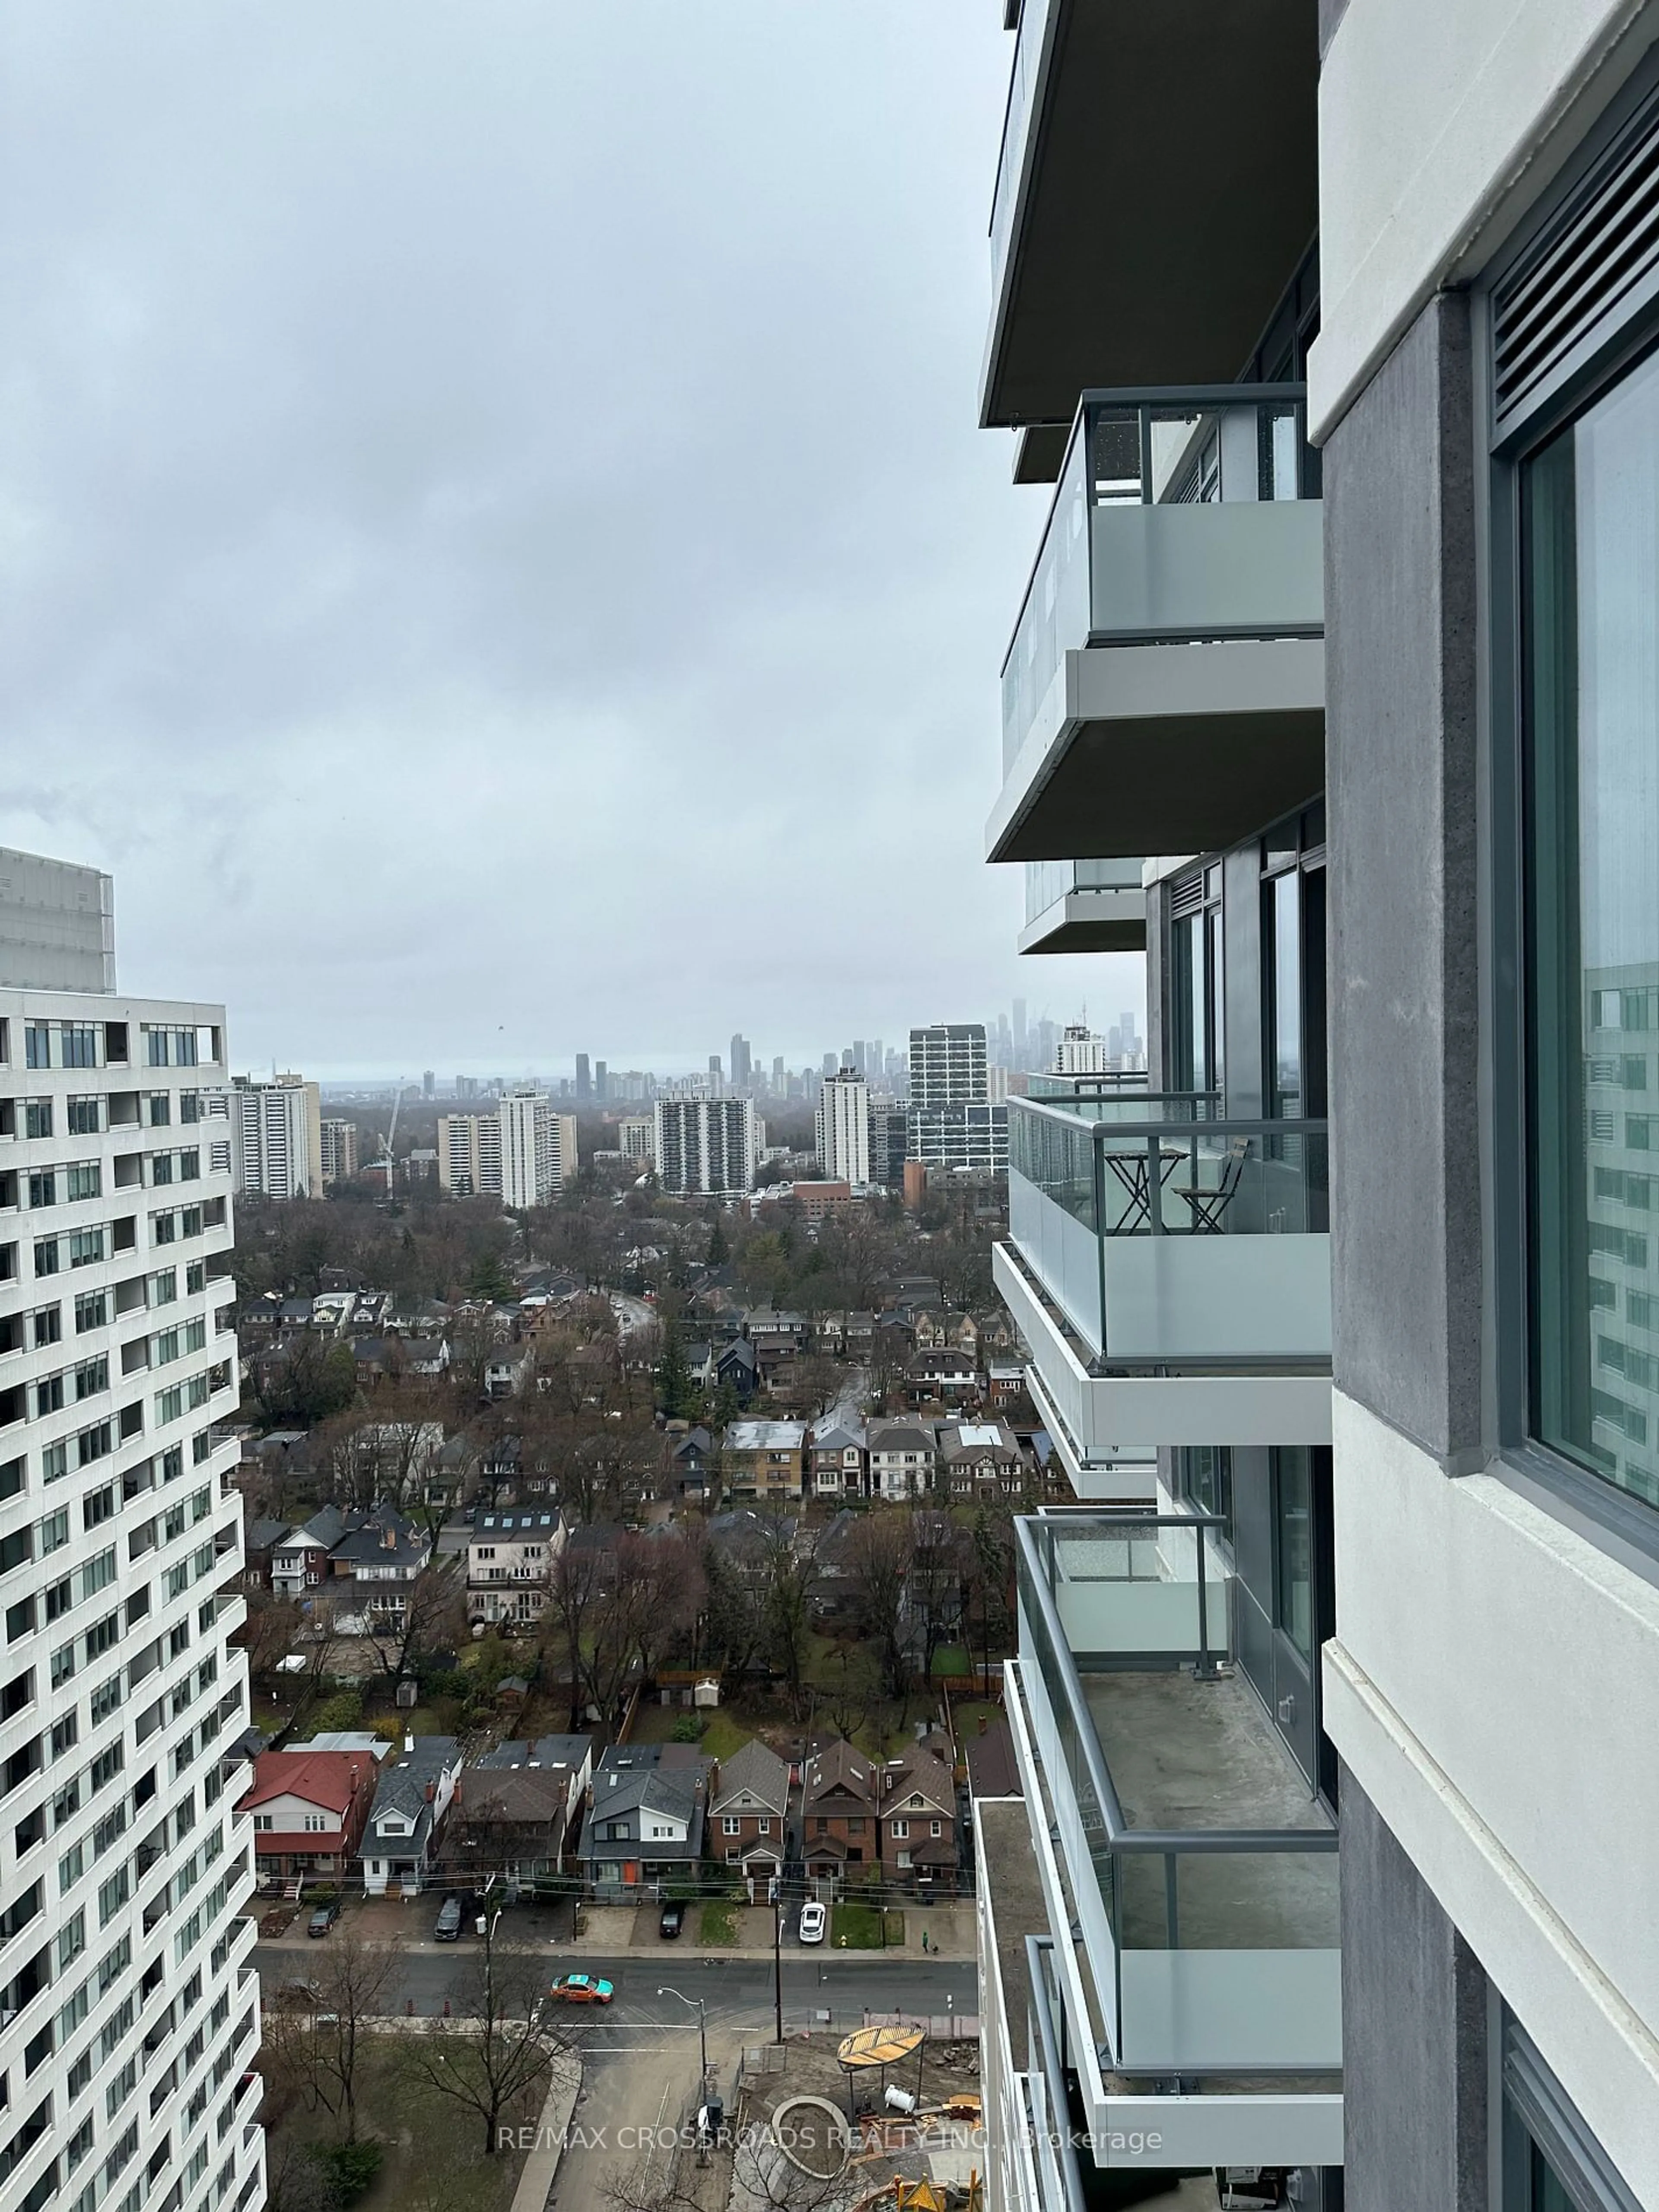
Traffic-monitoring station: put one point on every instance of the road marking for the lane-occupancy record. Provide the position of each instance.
(656, 2133)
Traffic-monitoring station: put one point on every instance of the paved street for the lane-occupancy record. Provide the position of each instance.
(737, 1989)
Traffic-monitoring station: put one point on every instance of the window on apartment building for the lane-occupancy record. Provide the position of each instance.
(1195, 1018)
(1575, 380)
(1203, 1477)
(1590, 514)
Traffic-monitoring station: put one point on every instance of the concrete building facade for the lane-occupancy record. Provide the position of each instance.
(124, 1873)
(706, 1146)
(843, 1128)
(277, 1136)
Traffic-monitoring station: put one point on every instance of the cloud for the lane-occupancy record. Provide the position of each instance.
(494, 549)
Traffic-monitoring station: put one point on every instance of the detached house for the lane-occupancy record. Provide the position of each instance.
(514, 1809)
(764, 1459)
(835, 1462)
(979, 1459)
(919, 1819)
(748, 1803)
(646, 1819)
(382, 1551)
(309, 1809)
(509, 1564)
(840, 1812)
(902, 1455)
(298, 1560)
(399, 1844)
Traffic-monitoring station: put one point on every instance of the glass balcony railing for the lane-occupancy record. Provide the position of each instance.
(1016, 125)
(1163, 1232)
(1179, 516)
(1048, 882)
(1203, 1869)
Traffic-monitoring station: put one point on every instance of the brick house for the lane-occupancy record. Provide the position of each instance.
(979, 1459)
(919, 1819)
(748, 1806)
(840, 1810)
(764, 1459)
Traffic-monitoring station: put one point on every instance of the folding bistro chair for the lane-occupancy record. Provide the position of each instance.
(1208, 1205)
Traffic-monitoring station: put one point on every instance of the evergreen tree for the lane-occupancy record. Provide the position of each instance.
(718, 1250)
(674, 1388)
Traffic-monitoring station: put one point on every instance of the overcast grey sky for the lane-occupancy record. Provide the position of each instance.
(494, 552)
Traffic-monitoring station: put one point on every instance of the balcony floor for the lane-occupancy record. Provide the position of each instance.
(1186, 1754)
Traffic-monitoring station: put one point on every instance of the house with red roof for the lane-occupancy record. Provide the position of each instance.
(309, 1809)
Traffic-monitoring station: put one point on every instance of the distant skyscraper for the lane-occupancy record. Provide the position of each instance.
(428, 1084)
(601, 1083)
(521, 1153)
(843, 1129)
(706, 1146)
(467, 1087)
(743, 1062)
(1019, 1033)
(947, 1065)
(277, 1136)
(584, 1080)
(952, 1122)
(829, 1064)
(339, 1150)
(889, 1131)
(780, 1081)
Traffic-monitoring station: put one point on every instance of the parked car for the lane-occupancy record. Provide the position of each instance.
(813, 1921)
(581, 1989)
(673, 1919)
(448, 1929)
(322, 1919)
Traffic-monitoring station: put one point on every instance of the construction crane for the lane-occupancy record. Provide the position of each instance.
(387, 1142)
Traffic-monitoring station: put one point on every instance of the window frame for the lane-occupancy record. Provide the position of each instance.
(1536, 2113)
(1616, 1520)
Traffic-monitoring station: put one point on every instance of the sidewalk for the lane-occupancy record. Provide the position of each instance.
(609, 1929)
(541, 2167)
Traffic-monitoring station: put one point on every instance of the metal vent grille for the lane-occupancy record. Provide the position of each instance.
(1596, 263)
(1187, 895)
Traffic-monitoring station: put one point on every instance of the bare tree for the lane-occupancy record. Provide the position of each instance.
(348, 1989)
(879, 1558)
(787, 1572)
(433, 1617)
(500, 2052)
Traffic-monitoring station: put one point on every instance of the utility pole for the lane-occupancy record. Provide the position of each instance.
(777, 1948)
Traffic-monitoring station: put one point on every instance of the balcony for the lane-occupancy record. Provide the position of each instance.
(1121, 162)
(1084, 906)
(1164, 691)
(1170, 1270)
(1179, 1841)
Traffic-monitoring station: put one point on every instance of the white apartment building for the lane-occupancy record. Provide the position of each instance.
(636, 1139)
(469, 1154)
(948, 1065)
(538, 1147)
(277, 1136)
(843, 1128)
(339, 1150)
(521, 1152)
(129, 2006)
(706, 1147)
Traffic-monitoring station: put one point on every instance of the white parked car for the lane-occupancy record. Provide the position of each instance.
(813, 1921)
